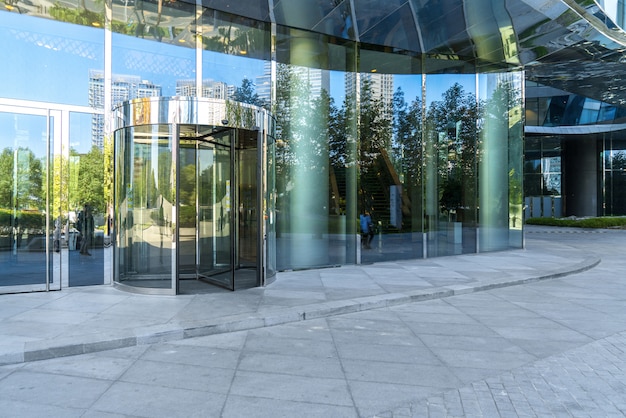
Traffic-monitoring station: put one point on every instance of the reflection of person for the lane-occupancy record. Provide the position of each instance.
(85, 219)
(367, 229)
(56, 235)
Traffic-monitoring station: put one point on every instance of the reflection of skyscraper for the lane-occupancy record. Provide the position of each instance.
(264, 84)
(124, 87)
(381, 86)
(317, 80)
(210, 88)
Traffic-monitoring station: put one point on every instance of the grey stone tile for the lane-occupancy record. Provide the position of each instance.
(128, 352)
(452, 329)
(192, 355)
(138, 400)
(87, 365)
(485, 343)
(179, 376)
(435, 376)
(438, 306)
(554, 333)
(360, 322)
(468, 375)
(416, 353)
(226, 341)
(292, 388)
(437, 318)
(314, 329)
(391, 337)
(545, 348)
(302, 346)
(531, 320)
(251, 407)
(52, 389)
(33, 409)
(484, 359)
(373, 397)
(328, 367)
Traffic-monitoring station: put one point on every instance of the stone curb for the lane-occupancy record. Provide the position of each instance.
(85, 344)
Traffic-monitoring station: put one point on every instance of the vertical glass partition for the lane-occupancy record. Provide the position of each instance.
(449, 167)
(500, 161)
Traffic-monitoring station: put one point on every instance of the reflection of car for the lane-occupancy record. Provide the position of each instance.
(124, 2)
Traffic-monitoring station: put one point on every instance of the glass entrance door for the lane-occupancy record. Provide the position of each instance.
(30, 230)
(205, 221)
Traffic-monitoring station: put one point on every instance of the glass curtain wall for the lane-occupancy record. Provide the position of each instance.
(613, 175)
(431, 152)
(500, 161)
(543, 176)
(450, 141)
(390, 141)
(316, 151)
(50, 48)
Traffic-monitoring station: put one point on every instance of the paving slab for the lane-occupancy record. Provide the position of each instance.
(89, 319)
(523, 350)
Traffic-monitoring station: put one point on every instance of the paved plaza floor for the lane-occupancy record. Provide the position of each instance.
(533, 332)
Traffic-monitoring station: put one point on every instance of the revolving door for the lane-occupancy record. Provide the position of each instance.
(193, 211)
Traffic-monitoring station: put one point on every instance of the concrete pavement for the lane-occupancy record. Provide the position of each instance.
(449, 336)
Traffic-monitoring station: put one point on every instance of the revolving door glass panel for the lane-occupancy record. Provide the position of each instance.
(205, 236)
(145, 198)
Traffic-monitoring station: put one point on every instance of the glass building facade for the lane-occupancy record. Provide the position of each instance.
(410, 111)
(574, 155)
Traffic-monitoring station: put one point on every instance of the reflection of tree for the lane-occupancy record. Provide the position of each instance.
(407, 148)
(22, 197)
(502, 139)
(246, 94)
(374, 126)
(237, 35)
(452, 121)
(21, 186)
(80, 16)
(290, 84)
(618, 161)
(88, 185)
(165, 174)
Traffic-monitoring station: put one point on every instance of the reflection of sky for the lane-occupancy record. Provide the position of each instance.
(80, 132)
(66, 52)
(63, 52)
(23, 131)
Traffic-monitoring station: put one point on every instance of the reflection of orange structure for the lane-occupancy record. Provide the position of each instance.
(141, 111)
